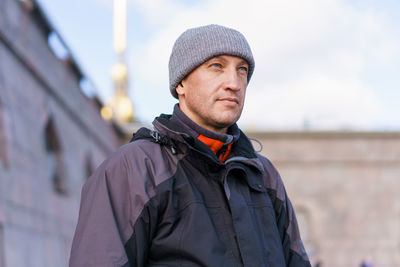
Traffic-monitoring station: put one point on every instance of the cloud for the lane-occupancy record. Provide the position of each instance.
(312, 58)
(316, 101)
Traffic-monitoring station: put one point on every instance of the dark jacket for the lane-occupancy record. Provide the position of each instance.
(166, 200)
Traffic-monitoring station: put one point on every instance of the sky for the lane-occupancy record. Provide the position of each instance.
(320, 64)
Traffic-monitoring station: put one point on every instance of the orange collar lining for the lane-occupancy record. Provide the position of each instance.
(215, 146)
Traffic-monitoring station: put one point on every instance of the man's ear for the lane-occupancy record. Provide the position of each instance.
(180, 90)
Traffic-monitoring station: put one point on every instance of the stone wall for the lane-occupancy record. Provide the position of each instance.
(345, 189)
(38, 89)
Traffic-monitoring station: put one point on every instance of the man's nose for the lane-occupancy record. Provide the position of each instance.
(233, 80)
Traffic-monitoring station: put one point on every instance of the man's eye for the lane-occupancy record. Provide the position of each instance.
(243, 69)
(216, 65)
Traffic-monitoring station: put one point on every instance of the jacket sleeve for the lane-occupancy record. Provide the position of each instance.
(113, 226)
(293, 249)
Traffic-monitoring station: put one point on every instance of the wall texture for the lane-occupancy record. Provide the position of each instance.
(51, 136)
(345, 189)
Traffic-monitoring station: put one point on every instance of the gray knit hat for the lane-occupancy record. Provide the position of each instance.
(197, 45)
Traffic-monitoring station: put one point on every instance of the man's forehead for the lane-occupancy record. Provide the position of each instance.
(226, 58)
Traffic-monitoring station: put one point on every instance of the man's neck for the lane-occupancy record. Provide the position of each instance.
(195, 129)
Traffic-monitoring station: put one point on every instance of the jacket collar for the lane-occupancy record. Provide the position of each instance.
(194, 130)
(242, 149)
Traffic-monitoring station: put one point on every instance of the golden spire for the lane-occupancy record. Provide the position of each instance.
(119, 106)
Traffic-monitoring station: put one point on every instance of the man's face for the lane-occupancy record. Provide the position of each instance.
(213, 94)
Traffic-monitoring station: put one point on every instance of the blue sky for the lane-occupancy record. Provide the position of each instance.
(326, 64)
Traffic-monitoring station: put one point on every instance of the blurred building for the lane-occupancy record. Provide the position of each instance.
(345, 189)
(51, 138)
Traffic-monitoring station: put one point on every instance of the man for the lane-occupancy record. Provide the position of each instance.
(191, 192)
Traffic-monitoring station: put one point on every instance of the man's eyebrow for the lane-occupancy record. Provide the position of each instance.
(221, 57)
(243, 62)
(216, 58)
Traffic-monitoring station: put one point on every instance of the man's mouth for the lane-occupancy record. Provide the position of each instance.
(229, 99)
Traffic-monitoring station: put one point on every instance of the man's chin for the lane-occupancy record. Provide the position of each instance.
(224, 123)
